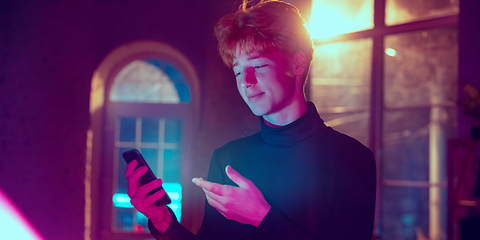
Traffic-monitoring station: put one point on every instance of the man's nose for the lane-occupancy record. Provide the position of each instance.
(249, 79)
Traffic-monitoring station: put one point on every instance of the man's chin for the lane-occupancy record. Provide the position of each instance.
(258, 112)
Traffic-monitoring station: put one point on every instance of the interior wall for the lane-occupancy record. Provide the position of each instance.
(46, 61)
(48, 53)
(468, 57)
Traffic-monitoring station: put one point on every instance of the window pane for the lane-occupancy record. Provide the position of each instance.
(127, 129)
(178, 80)
(340, 74)
(124, 219)
(340, 85)
(404, 11)
(149, 80)
(407, 138)
(150, 130)
(171, 165)
(421, 68)
(404, 213)
(419, 116)
(172, 130)
(353, 124)
(405, 144)
(151, 157)
(330, 18)
(128, 219)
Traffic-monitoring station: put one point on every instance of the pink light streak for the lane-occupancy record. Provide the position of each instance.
(13, 225)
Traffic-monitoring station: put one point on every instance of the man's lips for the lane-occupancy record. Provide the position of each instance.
(254, 96)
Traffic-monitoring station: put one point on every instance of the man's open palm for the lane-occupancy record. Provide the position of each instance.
(244, 204)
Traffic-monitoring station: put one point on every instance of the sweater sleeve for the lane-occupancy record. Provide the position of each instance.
(213, 224)
(353, 207)
(174, 231)
(276, 226)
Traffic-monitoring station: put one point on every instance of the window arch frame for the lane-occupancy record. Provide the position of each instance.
(97, 225)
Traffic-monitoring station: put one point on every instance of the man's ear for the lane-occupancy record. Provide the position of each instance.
(299, 63)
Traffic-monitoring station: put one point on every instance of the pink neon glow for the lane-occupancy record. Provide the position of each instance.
(13, 225)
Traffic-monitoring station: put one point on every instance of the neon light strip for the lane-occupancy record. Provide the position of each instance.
(174, 191)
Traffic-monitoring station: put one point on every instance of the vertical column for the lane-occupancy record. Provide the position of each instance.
(376, 101)
(437, 153)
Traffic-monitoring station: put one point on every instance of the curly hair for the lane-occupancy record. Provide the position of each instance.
(264, 27)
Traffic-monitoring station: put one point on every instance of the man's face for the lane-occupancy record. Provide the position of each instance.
(265, 81)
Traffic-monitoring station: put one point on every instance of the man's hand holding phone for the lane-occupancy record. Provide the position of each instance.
(144, 203)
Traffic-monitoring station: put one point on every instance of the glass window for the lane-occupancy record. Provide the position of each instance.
(418, 73)
(423, 70)
(419, 116)
(149, 80)
(330, 18)
(151, 105)
(404, 213)
(340, 86)
(404, 11)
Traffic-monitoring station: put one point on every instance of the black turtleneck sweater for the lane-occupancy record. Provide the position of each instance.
(319, 182)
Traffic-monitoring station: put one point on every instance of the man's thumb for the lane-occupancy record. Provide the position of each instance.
(236, 177)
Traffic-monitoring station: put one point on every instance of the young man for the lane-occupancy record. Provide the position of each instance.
(296, 178)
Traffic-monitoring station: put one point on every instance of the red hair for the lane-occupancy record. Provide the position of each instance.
(264, 27)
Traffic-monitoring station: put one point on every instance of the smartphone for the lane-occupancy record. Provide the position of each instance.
(134, 154)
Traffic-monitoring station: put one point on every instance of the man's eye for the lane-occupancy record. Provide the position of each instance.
(237, 74)
(261, 66)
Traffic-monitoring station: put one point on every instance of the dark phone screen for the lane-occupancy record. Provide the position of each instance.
(134, 154)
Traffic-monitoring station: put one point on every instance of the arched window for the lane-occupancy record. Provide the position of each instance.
(149, 81)
(150, 94)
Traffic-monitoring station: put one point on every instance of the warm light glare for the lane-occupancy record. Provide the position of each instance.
(88, 185)
(330, 18)
(390, 52)
(13, 224)
(97, 92)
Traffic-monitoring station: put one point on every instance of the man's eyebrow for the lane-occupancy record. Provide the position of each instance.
(250, 58)
(254, 57)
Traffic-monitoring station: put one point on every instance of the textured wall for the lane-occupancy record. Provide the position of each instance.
(468, 57)
(48, 52)
(45, 66)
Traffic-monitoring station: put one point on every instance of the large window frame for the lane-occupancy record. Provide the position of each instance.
(376, 109)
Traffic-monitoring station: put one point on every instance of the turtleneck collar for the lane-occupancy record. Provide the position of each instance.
(294, 131)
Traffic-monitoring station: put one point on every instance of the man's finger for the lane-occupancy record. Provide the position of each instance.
(130, 168)
(133, 183)
(237, 178)
(209, 186)
(137, 173)
(145, 189)
(149, 200)
(214, 196)
(215, 204)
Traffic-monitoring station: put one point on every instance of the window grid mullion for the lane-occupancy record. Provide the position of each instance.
(138, 133)
(161, 147)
